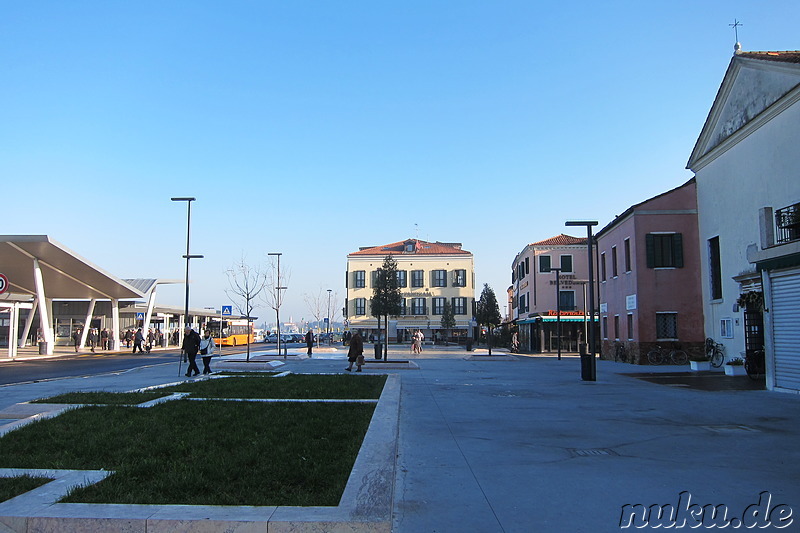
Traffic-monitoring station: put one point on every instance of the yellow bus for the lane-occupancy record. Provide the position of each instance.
(235, 332)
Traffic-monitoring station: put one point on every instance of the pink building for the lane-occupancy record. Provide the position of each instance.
(649, 278)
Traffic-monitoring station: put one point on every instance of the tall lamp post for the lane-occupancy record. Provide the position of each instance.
(278, 290)
(188, 256)
(591, 375)
(558, 308)
(329, 316)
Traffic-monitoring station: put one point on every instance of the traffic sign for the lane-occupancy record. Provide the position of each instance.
(3, 283)
(227, 310)
(139, 316)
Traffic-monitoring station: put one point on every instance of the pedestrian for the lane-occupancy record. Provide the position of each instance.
(150, 340)
(128, 338)
(191, 344)
(138, 339)
(104, 339)
(356, 352)
(207, 349)
(76, 338)
(309, 341)
(92, 338)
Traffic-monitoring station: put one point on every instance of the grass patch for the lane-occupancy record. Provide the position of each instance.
(200, 453)
(104, 398)
(11, 487)
(293, 386)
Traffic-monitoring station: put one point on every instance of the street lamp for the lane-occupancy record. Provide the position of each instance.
(558, 308)
(278, 290)
(329, 316)
(188, 256)
(591, 374)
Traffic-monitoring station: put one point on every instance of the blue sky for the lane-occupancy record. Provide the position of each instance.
(314, 128)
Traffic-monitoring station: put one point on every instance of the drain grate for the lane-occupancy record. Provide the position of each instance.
(592, 452)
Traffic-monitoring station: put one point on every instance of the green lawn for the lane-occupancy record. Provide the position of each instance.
(14, 486)
(209, 452)
(102, 397)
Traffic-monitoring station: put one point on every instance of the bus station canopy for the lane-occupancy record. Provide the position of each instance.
(65, 274)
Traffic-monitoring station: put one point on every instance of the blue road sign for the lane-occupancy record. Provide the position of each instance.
(139, 316)
(227, 310)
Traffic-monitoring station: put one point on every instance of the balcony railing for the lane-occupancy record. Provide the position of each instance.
(787, 223)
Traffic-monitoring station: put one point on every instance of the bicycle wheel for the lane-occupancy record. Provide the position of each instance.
(752, 369)
(679, 357)
(655, 357)
(717, 358)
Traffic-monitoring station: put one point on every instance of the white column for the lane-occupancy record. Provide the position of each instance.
(28, 324)
(13, 330)
(89, 313)
(151, 301)
(45, 312)
(113, 337)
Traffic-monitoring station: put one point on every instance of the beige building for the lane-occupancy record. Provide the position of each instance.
(429, 274)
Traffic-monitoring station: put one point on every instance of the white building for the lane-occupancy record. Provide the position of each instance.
(747, 165)
(429, 274)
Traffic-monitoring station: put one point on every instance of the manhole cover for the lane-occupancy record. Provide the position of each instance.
(592, 452)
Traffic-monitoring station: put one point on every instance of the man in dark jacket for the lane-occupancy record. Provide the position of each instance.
(190, 347)
(309, 341)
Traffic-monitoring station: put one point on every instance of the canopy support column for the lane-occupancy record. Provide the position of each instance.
(45, 311)
(113, 336)
(87, 323)
(28, 324)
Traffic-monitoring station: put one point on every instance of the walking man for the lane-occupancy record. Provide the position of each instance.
(191, 345)
(309, 341)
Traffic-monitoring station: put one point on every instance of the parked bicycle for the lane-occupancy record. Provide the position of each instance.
(620, 354)
(659, 356)
(715, 352)
(754, 364)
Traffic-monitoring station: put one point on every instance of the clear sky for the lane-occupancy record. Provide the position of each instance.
(315, 128)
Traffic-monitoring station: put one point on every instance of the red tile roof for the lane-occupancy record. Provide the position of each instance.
(561, 240)
(788, 56)
(426, 248)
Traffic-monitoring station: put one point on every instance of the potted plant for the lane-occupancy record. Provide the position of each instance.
(698, 363)
(735, 367)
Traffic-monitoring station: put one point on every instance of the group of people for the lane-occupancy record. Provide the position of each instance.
(93, 338)
(194, 344)
(416, 341)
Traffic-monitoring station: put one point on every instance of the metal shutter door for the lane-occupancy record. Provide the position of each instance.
(786, 328)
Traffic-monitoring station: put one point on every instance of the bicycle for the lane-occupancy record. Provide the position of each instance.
(715, 352)
(620, 354)
(754, 364)
(676, 357)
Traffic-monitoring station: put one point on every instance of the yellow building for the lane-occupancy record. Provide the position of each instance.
(428, 274)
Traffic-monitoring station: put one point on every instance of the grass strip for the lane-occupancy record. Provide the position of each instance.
(293, 386)
(200, 453)
(11, 487)
(103, 397)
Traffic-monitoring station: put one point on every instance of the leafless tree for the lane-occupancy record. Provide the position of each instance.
(246, 283)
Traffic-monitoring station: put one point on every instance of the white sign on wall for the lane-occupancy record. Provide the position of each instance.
(630, 302)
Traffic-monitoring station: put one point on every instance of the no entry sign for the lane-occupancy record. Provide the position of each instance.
(3, 283)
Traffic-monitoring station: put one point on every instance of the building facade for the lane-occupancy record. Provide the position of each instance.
(430, 274)
(538, 294)
(649, 278)
(747, 167)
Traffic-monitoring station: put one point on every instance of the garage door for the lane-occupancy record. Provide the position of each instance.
(786, 328)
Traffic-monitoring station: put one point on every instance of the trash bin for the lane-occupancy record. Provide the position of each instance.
(469, 345)
(587, 364)
(42, 348)
(378, 350)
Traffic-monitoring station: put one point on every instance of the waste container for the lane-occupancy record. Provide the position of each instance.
(469, 345)
(378, 350)
(42, 348)
(587, 364)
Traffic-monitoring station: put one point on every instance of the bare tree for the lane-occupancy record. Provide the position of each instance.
(277, 284)
(245, 284)
(317, 304)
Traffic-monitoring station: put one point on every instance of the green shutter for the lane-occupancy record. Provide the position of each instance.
(650, 248)
(677, 249)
